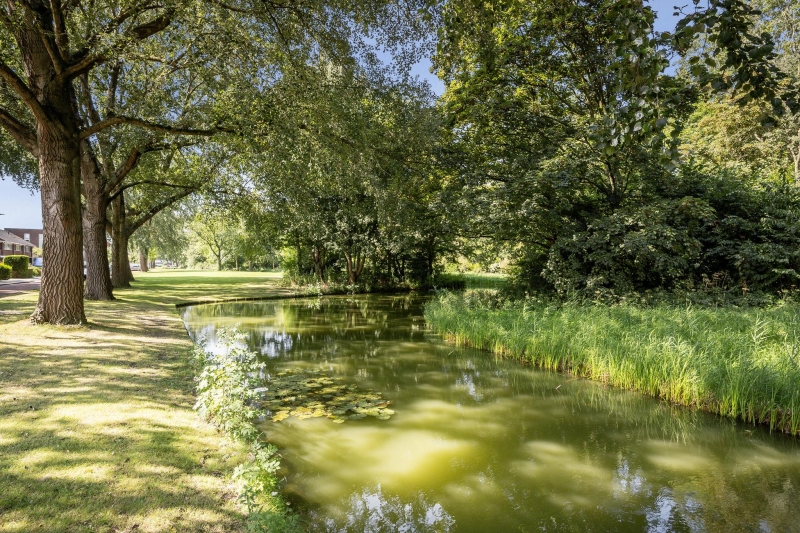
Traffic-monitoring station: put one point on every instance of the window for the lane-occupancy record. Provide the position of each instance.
(27, 237)
(7, 246)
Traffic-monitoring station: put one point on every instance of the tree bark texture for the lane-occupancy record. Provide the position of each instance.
(144, 263)
(98, 275)
(121, 275)
(318, 258)
(355, 265)
(61, 293)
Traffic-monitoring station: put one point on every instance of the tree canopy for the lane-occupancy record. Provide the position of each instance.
(595, 153)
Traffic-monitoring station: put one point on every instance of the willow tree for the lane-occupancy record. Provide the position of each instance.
(49, 52)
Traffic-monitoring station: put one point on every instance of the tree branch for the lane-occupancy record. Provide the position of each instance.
(176, 130)
(86, 61)
(19, 131)
(132, 161)
(157, 208)
(59, 32)
(22, 90)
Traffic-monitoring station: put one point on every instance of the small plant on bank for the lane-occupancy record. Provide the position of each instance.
(227, 388)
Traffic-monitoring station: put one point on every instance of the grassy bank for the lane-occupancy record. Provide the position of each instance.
(742, 363)
(97, 427)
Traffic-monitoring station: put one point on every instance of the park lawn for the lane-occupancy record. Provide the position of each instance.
(97, 427)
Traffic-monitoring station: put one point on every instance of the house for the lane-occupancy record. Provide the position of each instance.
(33, 236)
(10, 244)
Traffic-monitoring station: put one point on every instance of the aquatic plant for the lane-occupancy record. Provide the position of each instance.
(310, 394)
(741, 363)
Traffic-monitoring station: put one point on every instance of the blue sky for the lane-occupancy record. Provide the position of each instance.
(22, 209)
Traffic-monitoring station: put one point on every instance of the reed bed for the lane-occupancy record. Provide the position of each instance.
(741, 363)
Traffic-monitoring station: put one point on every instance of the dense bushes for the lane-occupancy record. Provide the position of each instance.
(19, 265)
(5, 271)
(703, 229)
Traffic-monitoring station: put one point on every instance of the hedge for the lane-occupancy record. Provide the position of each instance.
(5, 271)
(19, 265)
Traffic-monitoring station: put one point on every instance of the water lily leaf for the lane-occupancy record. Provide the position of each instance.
(310, 394)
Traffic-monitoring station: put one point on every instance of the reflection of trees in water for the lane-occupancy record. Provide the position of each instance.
(313, 325)
(643, 448)
(371, 511)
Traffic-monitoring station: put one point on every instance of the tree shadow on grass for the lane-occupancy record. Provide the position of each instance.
(97, 431)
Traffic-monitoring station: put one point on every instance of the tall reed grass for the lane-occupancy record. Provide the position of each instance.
(742, 363)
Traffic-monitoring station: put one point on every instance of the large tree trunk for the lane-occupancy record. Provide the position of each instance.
(144, 263)
(61, 294)
(98, 276)
(121, 275)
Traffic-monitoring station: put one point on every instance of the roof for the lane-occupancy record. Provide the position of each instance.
(13, 239)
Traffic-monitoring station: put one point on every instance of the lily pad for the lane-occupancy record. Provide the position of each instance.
(309, 394)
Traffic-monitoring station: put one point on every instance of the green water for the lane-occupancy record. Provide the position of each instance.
(478, 445)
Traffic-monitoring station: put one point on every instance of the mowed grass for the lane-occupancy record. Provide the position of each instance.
(742, 363)
(97, 430)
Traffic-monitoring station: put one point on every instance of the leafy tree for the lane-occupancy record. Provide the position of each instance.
(188, 68)
(217, 231)
(163, 236)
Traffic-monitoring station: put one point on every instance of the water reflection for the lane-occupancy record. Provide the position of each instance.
(482, 445)
(371, 511)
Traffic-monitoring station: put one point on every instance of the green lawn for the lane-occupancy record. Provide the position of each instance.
(97, 430)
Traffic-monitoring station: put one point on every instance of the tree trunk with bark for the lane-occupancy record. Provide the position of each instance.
(121, 275)
(61, 293)
(52, 102)
(318, 258)
(355, 265)
(98, 275)
(144, 263)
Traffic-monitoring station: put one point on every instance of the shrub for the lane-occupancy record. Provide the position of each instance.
(5, 271)
(35, 271)
(19, 265)
(227, 394)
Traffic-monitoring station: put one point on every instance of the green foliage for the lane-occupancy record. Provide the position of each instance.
(741, 363)
(734, 57)
(5, 271)
(35, 271)
(19, 265)
(227, 389)
(634, 248)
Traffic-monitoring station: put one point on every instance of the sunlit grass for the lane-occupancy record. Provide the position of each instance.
(97, 430)
(741, 363)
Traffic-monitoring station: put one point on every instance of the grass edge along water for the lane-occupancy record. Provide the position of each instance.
(739, 363)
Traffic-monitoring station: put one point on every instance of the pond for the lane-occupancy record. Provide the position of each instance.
(481, 445)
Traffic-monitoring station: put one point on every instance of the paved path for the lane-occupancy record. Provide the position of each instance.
(13, 286)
